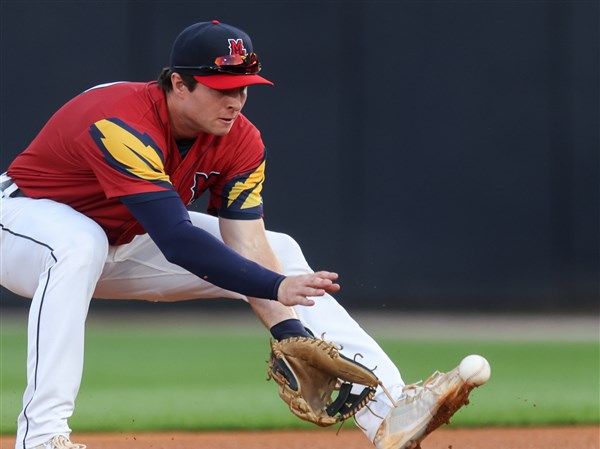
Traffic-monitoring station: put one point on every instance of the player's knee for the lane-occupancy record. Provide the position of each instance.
(87, 250)
(284, 243)
(289, 254)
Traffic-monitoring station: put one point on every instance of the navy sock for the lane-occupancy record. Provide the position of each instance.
(289, 328)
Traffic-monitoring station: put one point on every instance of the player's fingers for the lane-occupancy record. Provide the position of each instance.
(324, 281)
(321, 279)
(297, 300)
(333, 288)
(304, 301)
(297, 290)
(327, 275)
(312, 292)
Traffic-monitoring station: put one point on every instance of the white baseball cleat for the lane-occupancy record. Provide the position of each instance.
(60, 442)
(423, 408)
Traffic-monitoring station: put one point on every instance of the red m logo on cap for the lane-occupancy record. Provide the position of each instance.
(236, 47)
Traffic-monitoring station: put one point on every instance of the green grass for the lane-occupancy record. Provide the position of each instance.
(198, 378)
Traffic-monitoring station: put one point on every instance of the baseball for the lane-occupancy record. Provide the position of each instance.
(474, 370)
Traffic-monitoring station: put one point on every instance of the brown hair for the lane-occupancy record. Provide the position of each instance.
(164, 80)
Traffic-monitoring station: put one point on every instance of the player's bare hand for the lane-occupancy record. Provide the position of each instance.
(296, 290)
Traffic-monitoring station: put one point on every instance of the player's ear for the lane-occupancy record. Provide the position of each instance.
(177, 83)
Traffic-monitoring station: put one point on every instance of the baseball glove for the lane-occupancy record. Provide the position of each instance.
(309, 371)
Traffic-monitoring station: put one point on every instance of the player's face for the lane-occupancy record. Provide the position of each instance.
(206, 110)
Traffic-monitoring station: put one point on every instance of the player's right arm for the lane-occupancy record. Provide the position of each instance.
(167, 222)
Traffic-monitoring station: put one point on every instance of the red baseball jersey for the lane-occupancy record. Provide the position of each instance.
(115, 140)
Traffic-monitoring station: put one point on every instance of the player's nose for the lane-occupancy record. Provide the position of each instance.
(236, 98)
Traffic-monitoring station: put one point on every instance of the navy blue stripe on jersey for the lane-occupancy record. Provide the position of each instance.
(234, 214)
(149, 196)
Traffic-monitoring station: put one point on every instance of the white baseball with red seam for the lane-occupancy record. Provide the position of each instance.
(474, 370)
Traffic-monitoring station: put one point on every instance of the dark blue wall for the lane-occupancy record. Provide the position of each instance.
(437, 154)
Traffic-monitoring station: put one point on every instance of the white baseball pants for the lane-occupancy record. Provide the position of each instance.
(61, 259)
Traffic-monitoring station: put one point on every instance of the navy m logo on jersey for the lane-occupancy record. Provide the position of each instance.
(201, 184)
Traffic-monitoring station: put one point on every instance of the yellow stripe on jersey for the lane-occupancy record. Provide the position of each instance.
(129, 151)
(250, 186)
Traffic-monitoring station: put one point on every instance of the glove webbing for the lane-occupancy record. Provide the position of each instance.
(346, 402)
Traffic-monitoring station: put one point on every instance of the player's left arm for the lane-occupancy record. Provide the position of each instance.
(237, 201)
(249, 238)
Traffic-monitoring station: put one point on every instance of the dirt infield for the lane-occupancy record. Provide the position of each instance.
(581, 437)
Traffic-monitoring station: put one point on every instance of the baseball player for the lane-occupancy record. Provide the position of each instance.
(95, 206)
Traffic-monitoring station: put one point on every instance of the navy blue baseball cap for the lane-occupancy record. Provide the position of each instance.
(217, 55)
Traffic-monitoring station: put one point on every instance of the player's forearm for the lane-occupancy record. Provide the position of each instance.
(249, 238)
(269, 312)
(261, 253)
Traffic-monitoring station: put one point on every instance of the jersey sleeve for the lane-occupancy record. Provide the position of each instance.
(129, 161)
(238, 195)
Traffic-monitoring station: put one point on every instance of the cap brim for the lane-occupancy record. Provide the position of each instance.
(226, 81)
